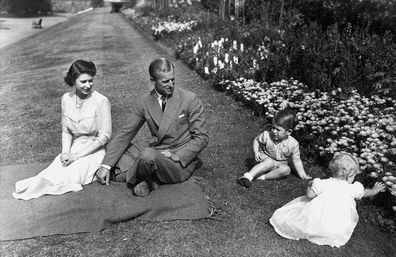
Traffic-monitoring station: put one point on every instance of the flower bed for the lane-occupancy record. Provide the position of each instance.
(168, 27)
(160, 27)
(220, 59)
(331, 122)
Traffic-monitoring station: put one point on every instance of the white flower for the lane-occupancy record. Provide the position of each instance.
(215, 60)
(221, 64)
(255, 65)
(195, 49)
(284, 104)
(171, 26)
(226, 56)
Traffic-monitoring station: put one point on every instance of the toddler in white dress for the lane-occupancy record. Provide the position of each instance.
(327, 214)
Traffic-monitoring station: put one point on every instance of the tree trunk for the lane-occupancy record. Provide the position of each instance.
(236, 8)
(166, 5)
(281, 13)
(222, 10)
(243, 12)
(229, 8)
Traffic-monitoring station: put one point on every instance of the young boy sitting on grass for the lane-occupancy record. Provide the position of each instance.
(273, 150)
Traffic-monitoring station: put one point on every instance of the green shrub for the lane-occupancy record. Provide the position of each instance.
(347, 60)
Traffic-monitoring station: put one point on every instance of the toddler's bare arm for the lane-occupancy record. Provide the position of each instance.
(378, 187)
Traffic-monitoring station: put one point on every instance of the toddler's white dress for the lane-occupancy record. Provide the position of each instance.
(85, 124)
(327, 219)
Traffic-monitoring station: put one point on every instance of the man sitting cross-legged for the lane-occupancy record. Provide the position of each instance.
(176, 119)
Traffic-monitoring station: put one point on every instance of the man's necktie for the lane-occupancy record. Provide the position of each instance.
(163, 103)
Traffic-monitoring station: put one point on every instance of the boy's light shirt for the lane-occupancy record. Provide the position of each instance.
(281, 151)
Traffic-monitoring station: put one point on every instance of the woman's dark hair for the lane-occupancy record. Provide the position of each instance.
(160, 65)
(287, 119)
(77, 68)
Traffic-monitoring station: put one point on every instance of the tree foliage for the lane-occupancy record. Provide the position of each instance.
(378, 16)
(28, 6)
(97, 3)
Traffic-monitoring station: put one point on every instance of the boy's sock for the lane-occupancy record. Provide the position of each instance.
(248, 176)
(262, 177)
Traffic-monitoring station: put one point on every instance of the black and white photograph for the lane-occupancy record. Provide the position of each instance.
(143, 128)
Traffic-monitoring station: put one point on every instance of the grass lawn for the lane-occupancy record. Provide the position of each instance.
(31, 75)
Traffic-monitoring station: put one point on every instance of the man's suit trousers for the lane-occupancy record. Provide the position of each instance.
(153, 166)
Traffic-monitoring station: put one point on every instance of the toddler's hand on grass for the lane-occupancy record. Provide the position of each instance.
(305, 177)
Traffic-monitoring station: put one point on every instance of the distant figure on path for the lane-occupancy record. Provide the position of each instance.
(177, 122)
(327, 214)
(274, 149)
(86, 129)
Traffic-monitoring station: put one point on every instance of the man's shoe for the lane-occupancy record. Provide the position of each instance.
(142, 189)
(245, 182)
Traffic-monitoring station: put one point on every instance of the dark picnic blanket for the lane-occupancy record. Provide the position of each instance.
(92, 209)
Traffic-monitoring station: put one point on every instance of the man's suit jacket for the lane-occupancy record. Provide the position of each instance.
(180, 128)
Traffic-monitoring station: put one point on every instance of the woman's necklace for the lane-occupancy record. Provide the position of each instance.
(79, 102)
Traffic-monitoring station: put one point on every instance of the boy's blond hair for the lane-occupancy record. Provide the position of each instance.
(344, 165)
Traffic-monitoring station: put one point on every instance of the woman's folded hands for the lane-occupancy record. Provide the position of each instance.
(67, 158)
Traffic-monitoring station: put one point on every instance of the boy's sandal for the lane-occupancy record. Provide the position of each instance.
(245, 182)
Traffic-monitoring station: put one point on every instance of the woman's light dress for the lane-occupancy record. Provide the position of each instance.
(327, 219)
(88, 123)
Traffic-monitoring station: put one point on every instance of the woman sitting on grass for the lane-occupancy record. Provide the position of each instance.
(327, 214)
(86, 129)
(272, 151)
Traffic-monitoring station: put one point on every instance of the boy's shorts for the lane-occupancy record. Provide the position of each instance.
(277, 163)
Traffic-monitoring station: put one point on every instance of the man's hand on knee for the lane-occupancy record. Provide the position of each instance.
(103, 175)
(170, 155)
